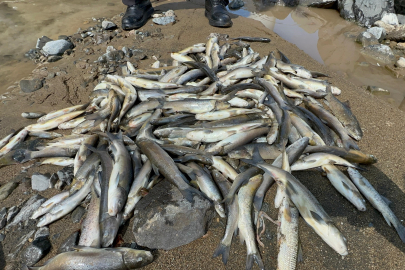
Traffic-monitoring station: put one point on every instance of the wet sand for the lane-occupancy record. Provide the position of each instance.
(372, 243)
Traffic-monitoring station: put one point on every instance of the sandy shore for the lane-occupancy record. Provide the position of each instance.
(372, 243)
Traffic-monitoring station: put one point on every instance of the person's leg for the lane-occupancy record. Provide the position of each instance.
(215, 11)
(137, 14)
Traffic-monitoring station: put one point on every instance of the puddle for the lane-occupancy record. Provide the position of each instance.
(328, 39)
(321, 33)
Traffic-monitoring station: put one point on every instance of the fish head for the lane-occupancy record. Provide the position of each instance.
(44, 220)
(336, 240)
(109, 228)
(136, 258)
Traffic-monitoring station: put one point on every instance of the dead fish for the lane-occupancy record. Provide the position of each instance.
(32, 115)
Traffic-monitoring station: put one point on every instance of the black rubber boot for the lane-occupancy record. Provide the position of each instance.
(137, 15)
(217, 14)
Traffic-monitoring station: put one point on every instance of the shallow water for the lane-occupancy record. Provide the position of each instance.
(321, 33)
(328, 39)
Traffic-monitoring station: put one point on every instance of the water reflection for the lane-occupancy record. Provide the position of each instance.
(328, 39)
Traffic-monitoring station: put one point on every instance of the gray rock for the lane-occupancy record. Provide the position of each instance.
(33, 54)
(28, 86)
(115, 55)
(36, 250)
(379, 52)
(400, 63)
(42, 232)
(390, 18)
(77, 214)
(7, 189)
(364, 12)
(236, 4)
(107, 25)
(378, 32)
(66, 175)
(3, 217)
(27, 210)
(401, 18)
(42, 41)
(165, 220)
(53, 180)
(69, 243)
(375, 90)
(318, 3)
(164, 20)
(2, 237)
(397, 35)
(57, 47)
(12, 212)
(366, 39)
(40, 181)
(128, 52)
(53, 58)
(283, 3)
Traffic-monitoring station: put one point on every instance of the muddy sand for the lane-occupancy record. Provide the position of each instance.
(372, 243)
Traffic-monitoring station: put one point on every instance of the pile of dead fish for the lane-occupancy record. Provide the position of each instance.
(222, 122)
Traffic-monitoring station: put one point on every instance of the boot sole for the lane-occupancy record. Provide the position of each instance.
(142, 22)
(216, 23)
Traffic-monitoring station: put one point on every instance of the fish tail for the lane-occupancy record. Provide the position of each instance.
(256, 158)
(350, 144)
(256, 258)
(222, 250)
(401, 231)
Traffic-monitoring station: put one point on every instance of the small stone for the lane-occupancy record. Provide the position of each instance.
(51, 75)
(400, 46)
(77, 214)
(378, 32)
(66, 175)
(379, 52)
(40, 181)
(169, 13)
(236, 4)
(400, 63)
(164, 219)
(101, 38)
(2, 237)
(377, 90)
(366, 39)
(3, 217)
(36, 250)
(388, 27)
(42, 232)
(27, 210)
(69, 243)
(88, 51)
(28, 86)
(115, 55)
(33, 54)
(164, 20)
(53, 180)
(127, 52)
(7, 189)
(54, 58)
(57, 47)
(42, 41)
(390, 18)
(107, 25)
(12, 212)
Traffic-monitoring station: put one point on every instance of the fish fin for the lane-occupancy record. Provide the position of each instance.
(256, 258)
(299, 253)
(317, 217)
(350, 144)
(155, 170)
(401, 232)
(283, 57)
(22, 155)
(387, 201)
(222, 250)
(387, 220)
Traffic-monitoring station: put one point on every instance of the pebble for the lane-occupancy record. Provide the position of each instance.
(42, 41)
(2, 237)
(77, 214)
(53, 58)
(7, 189)
(379, 52)
(40, 181)
(33, 54)
(390, 18)
(36, 250)
(164, 20)
(28, 86)
(57, 47)
(378, 32)
(107, 25)
(400, 63)
(377, 90)
(366, 39)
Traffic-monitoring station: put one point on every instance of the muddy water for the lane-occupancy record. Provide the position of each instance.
(23, 21)
(322, 34)
(329, 39)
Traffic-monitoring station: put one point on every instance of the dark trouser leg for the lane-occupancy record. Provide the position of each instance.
(137, 14)
(215, 11)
